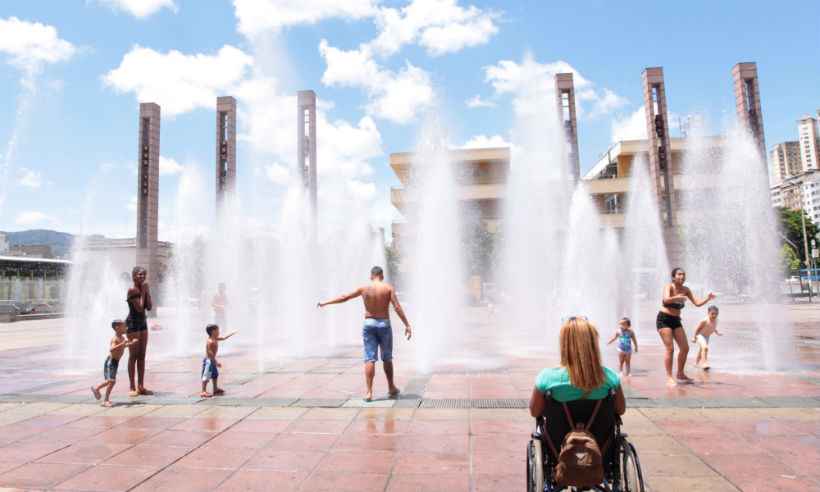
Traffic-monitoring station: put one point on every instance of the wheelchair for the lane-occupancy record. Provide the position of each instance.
(622, 469)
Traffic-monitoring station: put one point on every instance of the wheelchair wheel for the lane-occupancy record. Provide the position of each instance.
(535, 467)
(631, 475)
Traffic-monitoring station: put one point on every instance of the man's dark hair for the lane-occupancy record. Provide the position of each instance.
(676, 270)
(713, 308)
(210, 329)
(377, 271)
(627, 321)
(115, 323)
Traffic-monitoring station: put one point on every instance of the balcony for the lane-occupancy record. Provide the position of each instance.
(606, 186)
(399, 198)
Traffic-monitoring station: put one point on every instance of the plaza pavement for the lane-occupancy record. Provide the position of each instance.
(300, 425)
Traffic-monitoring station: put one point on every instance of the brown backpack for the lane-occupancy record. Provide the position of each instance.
(580, 460)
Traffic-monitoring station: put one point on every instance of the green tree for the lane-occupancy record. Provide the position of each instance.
(792, 228)
(789, 259)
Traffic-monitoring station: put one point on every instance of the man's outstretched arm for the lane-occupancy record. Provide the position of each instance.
(356, 293)
(394, 299)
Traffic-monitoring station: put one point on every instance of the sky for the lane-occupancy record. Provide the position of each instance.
(73, 72)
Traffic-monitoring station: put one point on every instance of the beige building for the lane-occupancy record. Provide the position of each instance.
(482, 177)
(609, 180)
(809, 143)
(785, 162)
(123, 254)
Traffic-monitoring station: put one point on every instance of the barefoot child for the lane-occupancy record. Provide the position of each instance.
(115, 349)
(626, 337)
(210, 365)
(705, 328)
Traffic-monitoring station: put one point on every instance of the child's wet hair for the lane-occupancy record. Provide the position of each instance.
(627, 321)
(210, 329)
(713, 308)
(116, 323)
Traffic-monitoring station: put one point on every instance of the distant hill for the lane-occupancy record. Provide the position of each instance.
(60, 242)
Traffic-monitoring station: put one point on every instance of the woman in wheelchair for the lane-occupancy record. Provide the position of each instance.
(577, 443)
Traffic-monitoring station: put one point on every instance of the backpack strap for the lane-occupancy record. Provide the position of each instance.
(569, 417)
(594, 414)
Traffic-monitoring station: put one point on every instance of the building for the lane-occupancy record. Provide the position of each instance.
(482, 175)
(30, 280)
(795, 170)
(784, 162)
(809, 143)
(31, 250)
(608, 181)
(123, 255)
(4, 243)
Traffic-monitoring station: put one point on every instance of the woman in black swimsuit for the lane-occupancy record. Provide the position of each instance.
(670, 327)
(139, 301)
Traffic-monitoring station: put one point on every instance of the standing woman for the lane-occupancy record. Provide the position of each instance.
(670, 327)
(139, 302)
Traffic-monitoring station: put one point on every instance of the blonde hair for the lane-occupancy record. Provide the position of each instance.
(580, 354)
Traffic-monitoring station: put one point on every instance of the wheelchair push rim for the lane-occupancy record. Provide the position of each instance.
(535, 467)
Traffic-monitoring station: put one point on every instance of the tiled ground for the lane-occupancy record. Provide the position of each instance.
(300, 424)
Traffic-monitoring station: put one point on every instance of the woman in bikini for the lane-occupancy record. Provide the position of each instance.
(670, 327)
(139, 302)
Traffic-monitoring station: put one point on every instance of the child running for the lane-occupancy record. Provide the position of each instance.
(626, 337)
(210, 365)
(116, 347)
(705, 329)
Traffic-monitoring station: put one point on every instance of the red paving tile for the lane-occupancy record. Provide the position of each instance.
(500, 483)
(124, 435)
(89, 453)
(287, 461)
(380, 462)
(107, 478)
(424, 463)
(336, 480)
(40, 475)
(209, 456)
(261, 425)
(150, 456)
(303, 442)
(181, 438)
(180, 479)
(442, 482)
(263, 480)
(29, 451)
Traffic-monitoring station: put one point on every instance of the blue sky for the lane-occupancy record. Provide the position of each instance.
(73, 71)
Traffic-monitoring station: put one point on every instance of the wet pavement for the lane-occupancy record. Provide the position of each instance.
(301, 425)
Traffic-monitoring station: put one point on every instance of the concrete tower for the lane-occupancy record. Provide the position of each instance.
(565, 94)
(148, 189)
(747, 103)
(657, 130)
(225, 147)
(306, 143)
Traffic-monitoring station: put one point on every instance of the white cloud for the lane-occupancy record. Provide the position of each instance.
(168, 166)
(485, 141)
(132, 203)
(606, 102)
(394, 96)
(477, 102)
(530, 76)
(179, 82)
(631, 127)
(29, 178)
(32, 44)
(440, 26)
(277, 174)
(31, 218)
(258, 16)
(139, 8)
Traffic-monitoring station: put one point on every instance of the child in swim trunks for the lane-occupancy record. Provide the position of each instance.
(116, 347)
(705, 329)
(626, 337)
(210, 366)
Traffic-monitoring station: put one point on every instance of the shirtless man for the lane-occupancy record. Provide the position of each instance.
(377, 333)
